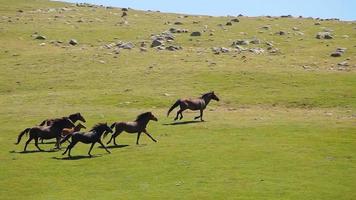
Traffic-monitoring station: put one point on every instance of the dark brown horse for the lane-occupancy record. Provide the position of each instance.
(46, 132)
(73, 117)
(137, 126)
(93, 136)
(193, 104)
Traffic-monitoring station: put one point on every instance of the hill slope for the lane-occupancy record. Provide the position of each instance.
(284, 128)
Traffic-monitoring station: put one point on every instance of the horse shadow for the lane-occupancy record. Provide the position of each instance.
(115, 146)
(182, 123)
(79, 157)
(34, 151)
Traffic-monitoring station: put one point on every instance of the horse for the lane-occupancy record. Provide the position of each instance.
(73, 117)
(137, 126)
(46, 132)
(93, 136)
(193, 104)
(68, 131)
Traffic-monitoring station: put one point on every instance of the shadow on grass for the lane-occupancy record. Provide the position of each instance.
(115, 146)
(34, 151)
(182, 123)
(79, 157)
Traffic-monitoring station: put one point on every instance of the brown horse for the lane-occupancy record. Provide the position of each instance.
(137, 126)
(68, 131)
(46, 132)
(93, 136)
(73, 117)
(193, 104)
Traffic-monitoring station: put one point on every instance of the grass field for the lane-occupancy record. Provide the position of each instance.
(280, 131)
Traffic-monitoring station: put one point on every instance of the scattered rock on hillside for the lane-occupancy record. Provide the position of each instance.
(324, 35)
(228, 24)
(218, 50)
(295, 29)
(178, 23)
(156, 43)
(235, 20)
(255, 41)
(173, 48)
(257, 50)
(195, 33)
(125, 45)
(40, 37)
(343, 64)
(317, 23)
(338, 52)
(175, 30)
(73, 42)
(241, 42)
(281, 33)
(124, 9)
(267, 27)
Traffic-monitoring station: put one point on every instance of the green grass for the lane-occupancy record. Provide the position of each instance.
(279, 131)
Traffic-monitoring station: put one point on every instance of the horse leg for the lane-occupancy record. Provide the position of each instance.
(91, 147)
(36, 144)
(149, 136)
(112, 136)
(28, 141)
(41, 140)
(138, 137)
(179, 113)
(58, 140)
(104, 146)
(200, 116)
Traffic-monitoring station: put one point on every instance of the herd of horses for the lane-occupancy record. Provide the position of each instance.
(64, 128)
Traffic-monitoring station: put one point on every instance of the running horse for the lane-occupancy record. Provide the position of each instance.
(138, 126)
(73, 117)
(193, 104)
(47, 132)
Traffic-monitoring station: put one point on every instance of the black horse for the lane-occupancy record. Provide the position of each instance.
(91, 137)
(138, 126)
(73, 117)
(46, 132)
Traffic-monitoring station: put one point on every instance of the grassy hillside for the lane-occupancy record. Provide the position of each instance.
(284, 128)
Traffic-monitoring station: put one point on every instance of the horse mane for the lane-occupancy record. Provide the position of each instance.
(206, 94)
(143, 116)
(74, 114)
(97, 126)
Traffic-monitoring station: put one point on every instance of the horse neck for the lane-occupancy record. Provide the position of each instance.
(73, 118)
(207, 99)
(143, 122)
(56, 127)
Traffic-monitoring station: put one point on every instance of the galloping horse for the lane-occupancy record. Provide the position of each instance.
(138, 126)
(193, 104)
(73, 117)
(46, 132)
(93, 136)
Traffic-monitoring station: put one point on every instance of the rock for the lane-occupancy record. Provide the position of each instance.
(324, 35)
(255, 41)
(160, 48)
(341, 50)
(156, 43)
(218, 50)
(235, 20)
(178, 23)
(280, 33)
(143, 49)
(343, 64)
(295, 29)
(241, 42)
(40, 37)
(317, 23)
(73, 42)
(127, 45)
(195, 33)
(124, 9)
(173, 48)
(266, 27)
(336, 54)
(228, 24)
(256, 50)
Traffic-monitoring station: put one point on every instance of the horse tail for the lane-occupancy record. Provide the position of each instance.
(66, 138)
(21, 134)
(43, 123)
(113, 125)
(174, 106)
